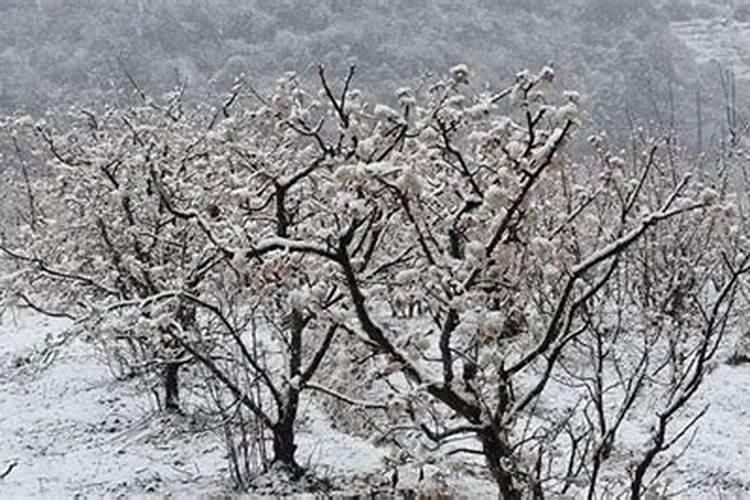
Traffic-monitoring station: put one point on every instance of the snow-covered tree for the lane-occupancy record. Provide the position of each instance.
(540, 286)
(527, 259)
(125, 232)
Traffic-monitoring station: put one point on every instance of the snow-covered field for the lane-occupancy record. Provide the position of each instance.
(75, 432)
(72, 431)
(717, 464)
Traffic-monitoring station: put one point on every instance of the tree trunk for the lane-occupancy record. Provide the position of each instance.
(496, 452)
(186, 317)
(284, 447)
(172, 387)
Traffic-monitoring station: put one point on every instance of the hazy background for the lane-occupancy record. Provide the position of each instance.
(655, 62)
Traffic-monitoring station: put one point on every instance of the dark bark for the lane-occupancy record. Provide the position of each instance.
(497, 453)
(186, 317)
(172, 387)
(284, 447)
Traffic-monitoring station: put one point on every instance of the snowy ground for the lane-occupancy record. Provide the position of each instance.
(717, 465)
(74, 432)
(715, 462)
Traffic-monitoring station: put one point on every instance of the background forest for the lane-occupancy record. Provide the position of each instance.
(623, 54)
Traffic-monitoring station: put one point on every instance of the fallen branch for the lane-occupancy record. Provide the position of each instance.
(8, 470)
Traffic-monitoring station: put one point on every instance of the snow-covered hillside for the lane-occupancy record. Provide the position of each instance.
(725, 42)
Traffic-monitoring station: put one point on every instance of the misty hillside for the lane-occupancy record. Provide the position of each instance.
(620, 53)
